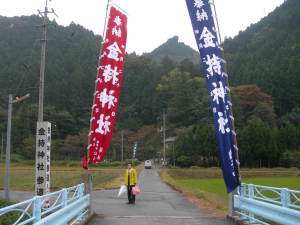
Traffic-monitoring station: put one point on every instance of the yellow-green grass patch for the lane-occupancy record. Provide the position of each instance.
(23, 178)
(208, 183)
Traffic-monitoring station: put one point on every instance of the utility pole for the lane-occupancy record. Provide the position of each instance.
(2, 152)
(7, 155)
(42, 72)
(43, 61)
(8, 138)
(173, 154)
(164, 136)
(43, 132)
(122, 153)
(42, 66)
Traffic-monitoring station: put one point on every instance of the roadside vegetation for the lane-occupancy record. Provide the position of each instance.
(9, 218)
(65, 174)
(205, 186)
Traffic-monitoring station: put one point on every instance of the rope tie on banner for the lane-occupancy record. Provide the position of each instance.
(235, 147)
(221, 49)
(225, 74)
(104, 41)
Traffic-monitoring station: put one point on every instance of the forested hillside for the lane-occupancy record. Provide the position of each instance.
(268, 54)
(264, 70)
(175, 50)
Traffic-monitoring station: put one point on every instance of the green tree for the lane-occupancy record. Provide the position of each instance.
(28, 148)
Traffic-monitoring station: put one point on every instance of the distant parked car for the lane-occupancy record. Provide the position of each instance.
(148, 164)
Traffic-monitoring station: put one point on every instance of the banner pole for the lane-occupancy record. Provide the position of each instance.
(229, 94)
(230, 195)
(217, 22)
(87, 176)
(105, 22)
(99, 63)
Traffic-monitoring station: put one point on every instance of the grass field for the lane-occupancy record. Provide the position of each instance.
(22, 177)
(208, 184)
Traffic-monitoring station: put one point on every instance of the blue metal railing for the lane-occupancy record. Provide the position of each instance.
(68, 205)
(280, 205)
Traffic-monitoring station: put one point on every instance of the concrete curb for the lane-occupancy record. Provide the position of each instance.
(237, 220)
(88, 219)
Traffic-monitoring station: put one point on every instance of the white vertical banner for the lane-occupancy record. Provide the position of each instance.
(42, 158)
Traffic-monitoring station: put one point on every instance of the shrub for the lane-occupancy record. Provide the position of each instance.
(8, 218)
(16, 158)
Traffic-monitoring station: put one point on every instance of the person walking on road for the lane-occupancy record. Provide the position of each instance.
(130, 182)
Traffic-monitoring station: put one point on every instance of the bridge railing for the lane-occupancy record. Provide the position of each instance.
(255, 202)
(68, 205)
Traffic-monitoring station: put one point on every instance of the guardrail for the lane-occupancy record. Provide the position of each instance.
(69, 205)
(255, 203)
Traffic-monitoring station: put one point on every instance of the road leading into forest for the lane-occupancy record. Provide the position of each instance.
(157, 204)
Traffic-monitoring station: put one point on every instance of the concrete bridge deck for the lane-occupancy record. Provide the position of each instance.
(157, 204)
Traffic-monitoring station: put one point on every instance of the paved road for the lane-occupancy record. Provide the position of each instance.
(157, 204)
(18, 195)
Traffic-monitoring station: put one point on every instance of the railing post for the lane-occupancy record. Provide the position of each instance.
(243, 193)
(37, 209)
(285, 197)
(251, 191)
(90, 189)
(231, 201)
(80, 191)
(86, 178)
(251, 196)
(243, 190)
(80, 194)
(230, 204)
(64, 198)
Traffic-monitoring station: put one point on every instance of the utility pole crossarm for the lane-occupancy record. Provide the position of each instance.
(21, 98)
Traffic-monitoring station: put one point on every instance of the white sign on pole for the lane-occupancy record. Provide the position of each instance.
(134, 149)
(42, 158)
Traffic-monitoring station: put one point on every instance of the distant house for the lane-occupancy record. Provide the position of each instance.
(169, 141)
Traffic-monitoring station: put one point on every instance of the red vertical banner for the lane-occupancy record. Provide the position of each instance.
(108, 86)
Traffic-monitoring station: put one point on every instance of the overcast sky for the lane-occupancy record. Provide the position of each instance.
(150, 22)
